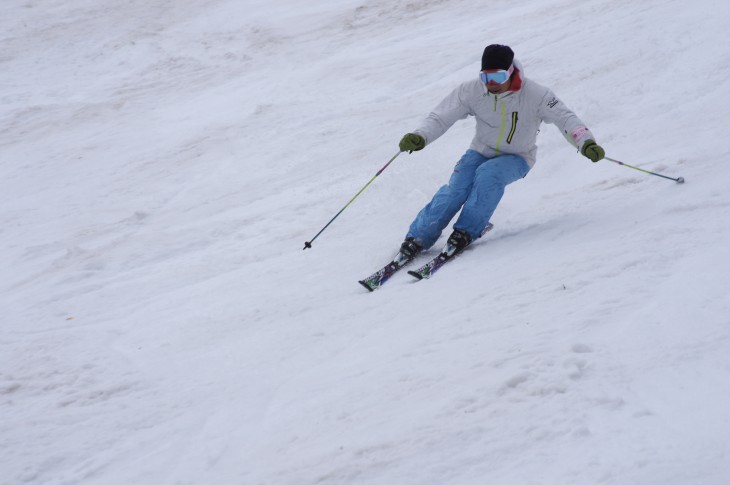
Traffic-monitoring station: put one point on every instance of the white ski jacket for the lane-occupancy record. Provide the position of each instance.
(508, 122)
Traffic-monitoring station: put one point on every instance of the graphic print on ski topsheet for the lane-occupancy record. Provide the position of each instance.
(428, 269)
(378, 279)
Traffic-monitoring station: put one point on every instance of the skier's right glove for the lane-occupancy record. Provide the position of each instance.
(593, 151)
(412, 142)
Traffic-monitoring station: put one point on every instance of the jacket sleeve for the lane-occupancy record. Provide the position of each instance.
(451, 109)
(554, 111)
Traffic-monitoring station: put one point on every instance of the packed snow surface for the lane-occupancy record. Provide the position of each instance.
(163, 162)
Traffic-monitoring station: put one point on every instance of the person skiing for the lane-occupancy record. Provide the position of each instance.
(509, 109)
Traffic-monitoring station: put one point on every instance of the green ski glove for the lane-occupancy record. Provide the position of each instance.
(412, 142)
(593, 151)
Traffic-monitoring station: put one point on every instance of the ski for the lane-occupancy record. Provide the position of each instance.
(378, 279)
(428, 269)
(447, 254)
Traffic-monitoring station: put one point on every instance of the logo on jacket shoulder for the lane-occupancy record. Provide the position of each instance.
(553, 102)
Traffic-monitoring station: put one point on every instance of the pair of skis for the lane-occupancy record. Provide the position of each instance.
(378, 279)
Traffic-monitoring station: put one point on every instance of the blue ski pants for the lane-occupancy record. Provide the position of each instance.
(477, 184)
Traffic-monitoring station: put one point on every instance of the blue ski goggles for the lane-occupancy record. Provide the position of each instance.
(496, 76)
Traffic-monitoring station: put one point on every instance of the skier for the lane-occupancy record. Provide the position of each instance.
(509, 109)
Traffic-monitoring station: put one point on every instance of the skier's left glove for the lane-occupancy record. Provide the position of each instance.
(412, 142)
(592, 151)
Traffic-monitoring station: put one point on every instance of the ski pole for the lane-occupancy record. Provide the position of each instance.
(679, 180)
(308, 244)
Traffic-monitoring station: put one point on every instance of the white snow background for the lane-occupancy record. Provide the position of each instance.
(163, 162)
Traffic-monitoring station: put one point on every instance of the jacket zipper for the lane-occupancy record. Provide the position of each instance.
(501, 129)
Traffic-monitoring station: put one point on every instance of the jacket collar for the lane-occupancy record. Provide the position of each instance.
(516, 80)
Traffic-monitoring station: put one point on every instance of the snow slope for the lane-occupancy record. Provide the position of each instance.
(162, 164)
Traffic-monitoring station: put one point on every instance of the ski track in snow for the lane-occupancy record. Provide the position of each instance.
(162, 164)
